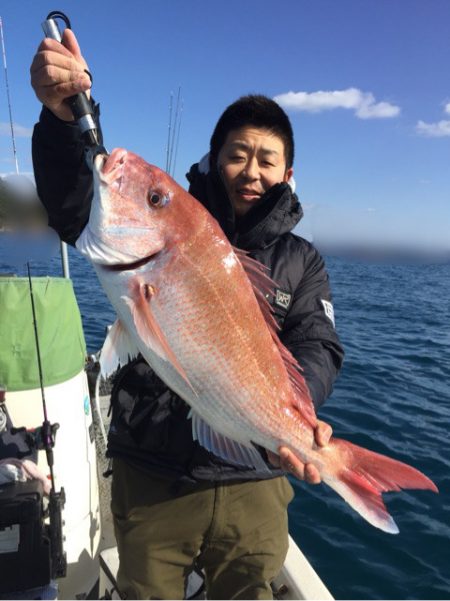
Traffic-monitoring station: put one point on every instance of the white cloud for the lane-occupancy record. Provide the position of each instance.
(19, 130)
(433, 130)
(441, 129)
(362, 103)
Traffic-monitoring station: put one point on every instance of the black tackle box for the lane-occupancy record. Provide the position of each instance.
(24, 544)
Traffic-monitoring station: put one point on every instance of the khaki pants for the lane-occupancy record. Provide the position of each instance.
(237, 533)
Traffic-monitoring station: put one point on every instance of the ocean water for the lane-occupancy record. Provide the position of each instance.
(393, 396)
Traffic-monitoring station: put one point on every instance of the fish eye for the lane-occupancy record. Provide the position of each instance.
(156, 200)
(153, 198)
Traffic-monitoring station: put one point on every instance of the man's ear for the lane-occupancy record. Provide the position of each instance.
(289, 173)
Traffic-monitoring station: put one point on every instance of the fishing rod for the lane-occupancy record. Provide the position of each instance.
(47, 430)
(8, 97)
(177, 111)
(178, 140)
(169, 132)
(173, 132)
(44, 438)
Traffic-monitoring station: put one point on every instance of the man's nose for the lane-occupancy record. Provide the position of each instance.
(251, 170)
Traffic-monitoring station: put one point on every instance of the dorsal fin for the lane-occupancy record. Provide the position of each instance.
(264, 288)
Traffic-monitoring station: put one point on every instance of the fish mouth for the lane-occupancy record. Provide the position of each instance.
(129, 266)
(107, 258)
(109, 167)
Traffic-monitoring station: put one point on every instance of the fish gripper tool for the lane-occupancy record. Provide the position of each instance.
(79, 103)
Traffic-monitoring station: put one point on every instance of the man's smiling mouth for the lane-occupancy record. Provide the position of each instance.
(246, 193)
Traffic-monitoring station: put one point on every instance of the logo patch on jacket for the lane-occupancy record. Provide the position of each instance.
(328, 308)
(282, 299)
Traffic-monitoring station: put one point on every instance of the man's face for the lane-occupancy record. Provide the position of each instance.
(250, 162)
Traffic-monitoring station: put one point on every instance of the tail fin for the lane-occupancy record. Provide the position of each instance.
(365, 475)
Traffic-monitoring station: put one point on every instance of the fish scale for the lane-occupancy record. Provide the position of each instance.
(197, 311)
(211, 343)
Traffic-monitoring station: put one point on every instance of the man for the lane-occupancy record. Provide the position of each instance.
(175, 504)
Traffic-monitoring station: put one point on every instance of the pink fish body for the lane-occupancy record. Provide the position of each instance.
(196, 309)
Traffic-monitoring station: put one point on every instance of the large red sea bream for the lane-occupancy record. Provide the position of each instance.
(196, 309)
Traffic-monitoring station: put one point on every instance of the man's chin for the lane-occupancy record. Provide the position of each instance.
(242, 207)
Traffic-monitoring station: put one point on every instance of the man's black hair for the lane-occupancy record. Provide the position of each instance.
(254, 110)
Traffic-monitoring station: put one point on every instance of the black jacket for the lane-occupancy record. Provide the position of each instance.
(149, 426)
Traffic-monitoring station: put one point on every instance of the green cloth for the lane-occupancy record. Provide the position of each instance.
(60, 332)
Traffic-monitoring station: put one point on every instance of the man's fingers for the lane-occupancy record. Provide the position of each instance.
(289, 463)
(322, 433)
(68, 46)
(55, 65)
(303, 471)
(57, 72)
(312, 475)
(273, 458)
(54, 76)
(297, 470)
(54, 46)
(71, 43)
(53, 95)
(64, 90)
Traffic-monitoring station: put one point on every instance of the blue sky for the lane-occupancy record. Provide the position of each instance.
(365, 83)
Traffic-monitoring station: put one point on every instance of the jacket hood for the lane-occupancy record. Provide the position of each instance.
(277, 213)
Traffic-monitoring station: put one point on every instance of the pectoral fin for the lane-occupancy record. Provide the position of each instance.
(117, 349)
(149, 330)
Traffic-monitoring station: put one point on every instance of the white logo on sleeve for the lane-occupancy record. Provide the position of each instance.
(283, 299)
(329, 311)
